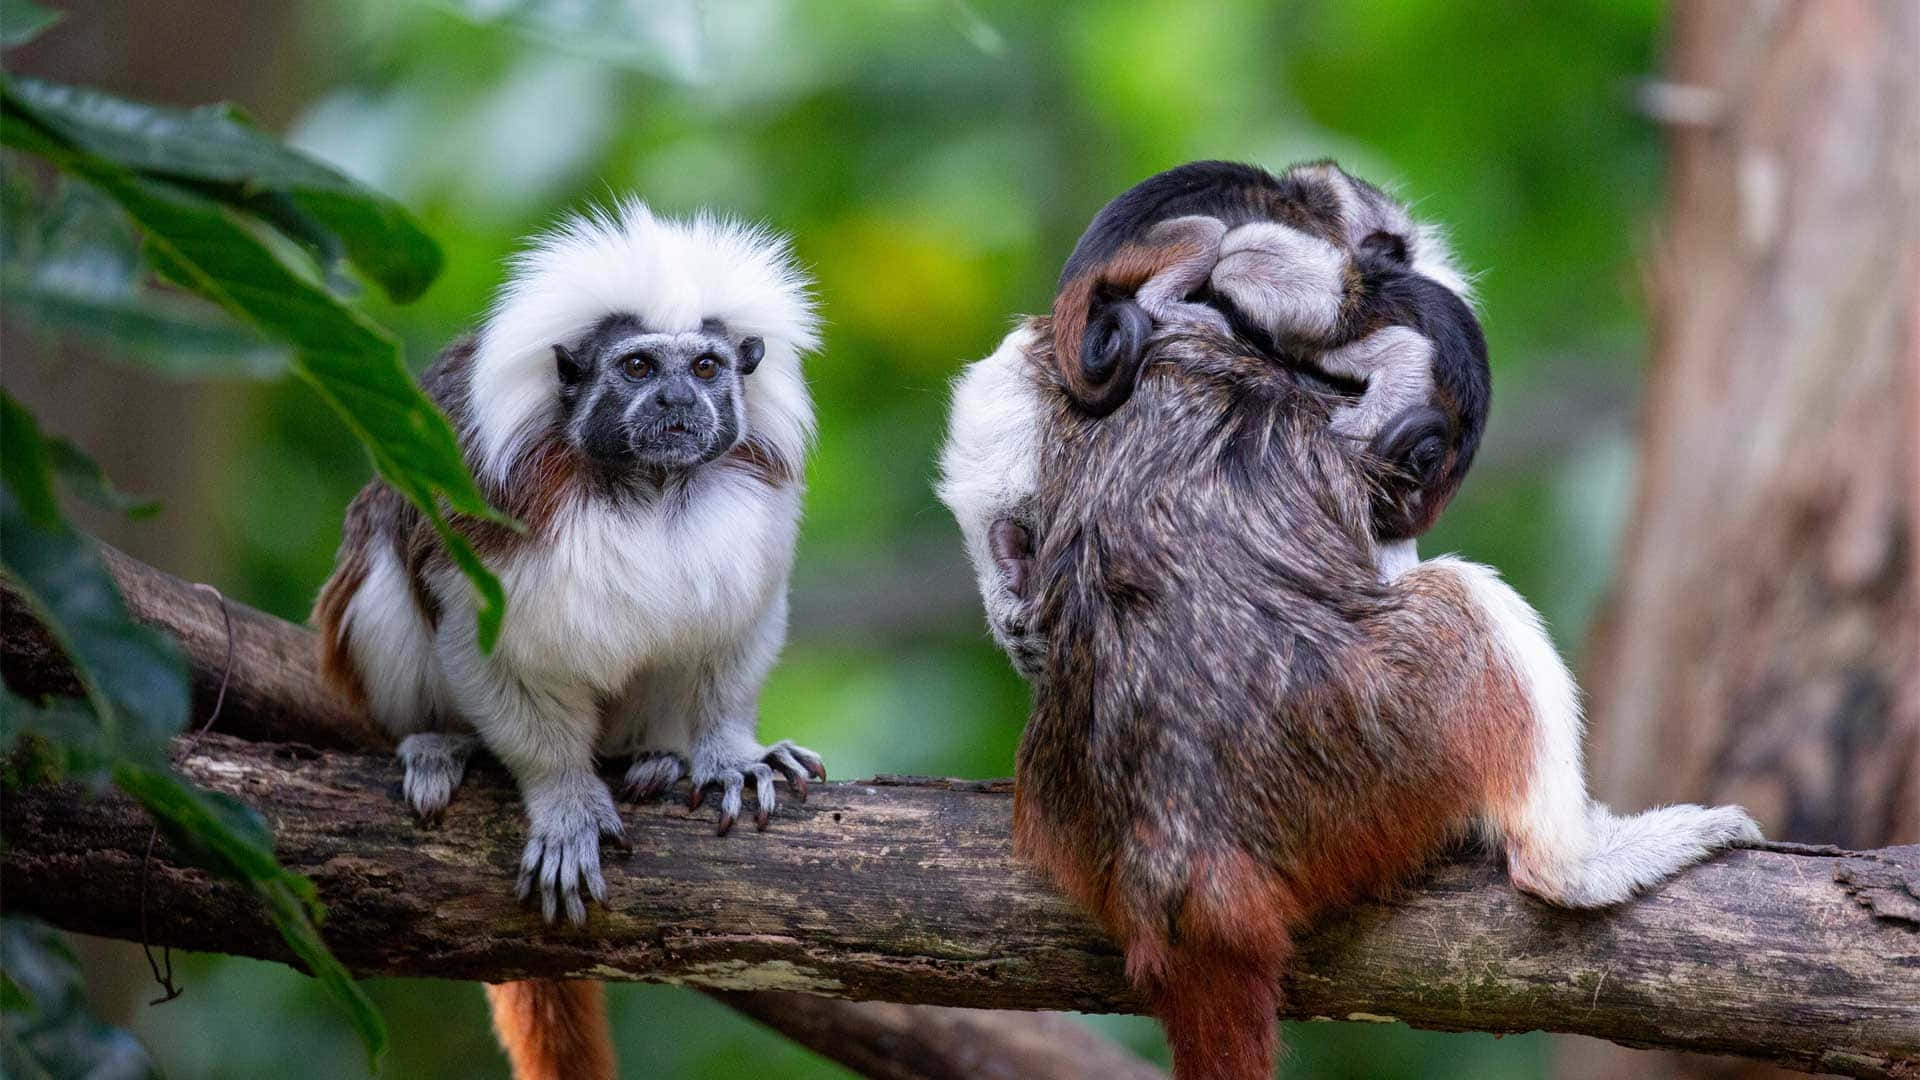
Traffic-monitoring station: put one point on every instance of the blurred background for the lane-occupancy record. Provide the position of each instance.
(934, 161)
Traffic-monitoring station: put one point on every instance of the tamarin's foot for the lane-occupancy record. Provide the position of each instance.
(434, 765)
(569, 816)
(652, 772)
(794, 762)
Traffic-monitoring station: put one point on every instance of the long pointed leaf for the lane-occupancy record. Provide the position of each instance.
(21, 21)
(226, 157)
(133, 676)
(353, 364)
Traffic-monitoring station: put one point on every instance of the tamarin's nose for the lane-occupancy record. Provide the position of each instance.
(676, 395)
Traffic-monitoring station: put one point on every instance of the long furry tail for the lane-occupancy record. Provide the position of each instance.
(1218, 1011)
(553, 1029)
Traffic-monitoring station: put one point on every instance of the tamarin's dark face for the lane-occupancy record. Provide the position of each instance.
(637, 397)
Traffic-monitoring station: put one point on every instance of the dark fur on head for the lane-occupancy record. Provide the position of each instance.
(1103, 329)
(1238, 724)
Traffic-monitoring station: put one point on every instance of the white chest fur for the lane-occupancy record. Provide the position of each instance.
(609, 589)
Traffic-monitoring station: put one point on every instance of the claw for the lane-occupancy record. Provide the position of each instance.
(726, 825)
(571, 824)
(780, 758)
(651, 773)
(696, 797)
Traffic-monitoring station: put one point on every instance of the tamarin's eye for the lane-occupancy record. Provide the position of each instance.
(637, 365)
(706, 367)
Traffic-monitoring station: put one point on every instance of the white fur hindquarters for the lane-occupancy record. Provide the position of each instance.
(672, 275)
(1164, 296)
(1561, 846)
(391, 646)
(989, 472)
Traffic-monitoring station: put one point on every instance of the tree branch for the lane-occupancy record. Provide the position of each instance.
(930, 1042)
(905, 891)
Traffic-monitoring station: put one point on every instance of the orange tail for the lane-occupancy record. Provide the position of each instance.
(553, 1030)
(1218, 1012)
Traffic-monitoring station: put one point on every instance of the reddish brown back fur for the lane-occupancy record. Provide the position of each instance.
(1128, 269)
(328, 618)
(1217, 989)
(1218, 1011)
(758, 461)
(378, 515)
(1239, 727)
(553, 1029)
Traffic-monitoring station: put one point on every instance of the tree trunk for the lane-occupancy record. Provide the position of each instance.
(1762, 644)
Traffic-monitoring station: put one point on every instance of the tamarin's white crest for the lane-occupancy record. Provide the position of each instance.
(668, 273)
(635, 399)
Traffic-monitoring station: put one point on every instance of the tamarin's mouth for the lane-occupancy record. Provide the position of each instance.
(676, 429)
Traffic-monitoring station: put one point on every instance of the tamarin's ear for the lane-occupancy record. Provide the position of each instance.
(1112, 349)
(571, 370)
(1384, 247)
(751, 350)
(1012, 547)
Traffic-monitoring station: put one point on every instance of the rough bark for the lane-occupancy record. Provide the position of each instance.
(1762, 644)
(905, 891)
(275, 693)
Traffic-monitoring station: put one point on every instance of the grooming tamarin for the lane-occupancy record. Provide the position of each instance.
(1315, 267)
(635, 399)
(1237, 723)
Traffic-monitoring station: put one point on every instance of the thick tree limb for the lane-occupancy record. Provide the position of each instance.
(905, 891)
(928, 1042)
(276, 692)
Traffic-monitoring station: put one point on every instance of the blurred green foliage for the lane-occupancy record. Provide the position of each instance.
(935, 161)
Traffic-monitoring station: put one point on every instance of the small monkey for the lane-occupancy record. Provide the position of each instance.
(1316, 267)
(1238, 724)
(635, 399)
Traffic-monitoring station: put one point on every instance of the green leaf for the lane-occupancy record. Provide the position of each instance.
(229, 837)
(69, 744)
(84, 478)
(133, 676)
(136, 684)
(46, 1028)
(210, 830)
(13, 998)
(353, 364)
(71, 265)
(22, 20)
(24, 467)
(217, 150)
(170, 334)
